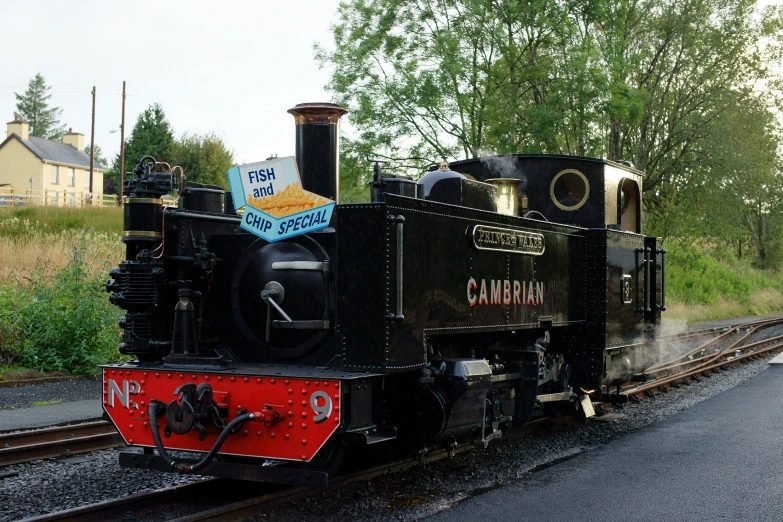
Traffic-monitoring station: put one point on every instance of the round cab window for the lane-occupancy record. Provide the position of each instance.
(569, 189)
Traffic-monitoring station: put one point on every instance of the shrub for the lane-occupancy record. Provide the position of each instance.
(65, 321)
(10, 329)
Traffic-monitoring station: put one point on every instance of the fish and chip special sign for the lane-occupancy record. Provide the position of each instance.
(276, 206)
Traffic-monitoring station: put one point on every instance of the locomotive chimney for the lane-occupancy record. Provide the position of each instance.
(318, 147)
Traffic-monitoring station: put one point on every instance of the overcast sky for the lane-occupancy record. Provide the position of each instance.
(228, 66)
(234, 67)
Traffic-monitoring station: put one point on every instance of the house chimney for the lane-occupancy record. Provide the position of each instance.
(19, 127)
(74, 139)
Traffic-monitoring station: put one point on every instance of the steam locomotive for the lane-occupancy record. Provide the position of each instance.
(447, 309)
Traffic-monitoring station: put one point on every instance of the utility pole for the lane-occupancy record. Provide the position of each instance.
(92, 144)
(122, 144)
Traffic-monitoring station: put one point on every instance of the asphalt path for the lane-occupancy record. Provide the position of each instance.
(721, 459)
(50, 415)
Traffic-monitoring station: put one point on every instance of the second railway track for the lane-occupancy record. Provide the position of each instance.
(25, 446)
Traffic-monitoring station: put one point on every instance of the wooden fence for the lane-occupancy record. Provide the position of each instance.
(54, 198)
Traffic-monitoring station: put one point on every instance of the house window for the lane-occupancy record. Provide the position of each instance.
(55, 197)
(71, 177)
(70, 199)
(55, 175)
(86, 180)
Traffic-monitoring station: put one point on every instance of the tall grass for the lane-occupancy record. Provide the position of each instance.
(101, 220)
(54, 311)
(30, 246)
(705, 283)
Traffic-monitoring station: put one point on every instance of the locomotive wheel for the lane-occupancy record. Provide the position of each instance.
(328, 460)
(524, 404)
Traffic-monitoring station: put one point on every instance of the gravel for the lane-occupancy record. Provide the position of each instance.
(62, 391)
(46, 486)
(428, 489)
(415, 493)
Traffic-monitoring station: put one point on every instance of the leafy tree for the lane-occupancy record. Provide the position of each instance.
(689, 62)
(111, 178)
(742, 196)
(98, 154)
(151, 136)
(33, 107)
(624, 79)
(204, 158)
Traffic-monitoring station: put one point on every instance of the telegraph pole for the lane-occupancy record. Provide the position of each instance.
(122, 144)
(92, 143)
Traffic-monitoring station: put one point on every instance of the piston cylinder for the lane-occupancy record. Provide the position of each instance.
(318, 147)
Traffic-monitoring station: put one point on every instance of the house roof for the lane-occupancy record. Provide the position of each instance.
(56, 152)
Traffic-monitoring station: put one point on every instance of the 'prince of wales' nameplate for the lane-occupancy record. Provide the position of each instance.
(276, 205)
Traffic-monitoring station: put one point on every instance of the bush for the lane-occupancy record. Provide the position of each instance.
(62, 322)
(10, 329)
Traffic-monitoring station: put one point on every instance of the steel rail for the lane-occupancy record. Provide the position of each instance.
(705, 370)
(753, 325)
(24, 446)
(705, 359)
(693, 333)
(13, 383)
(714, 329)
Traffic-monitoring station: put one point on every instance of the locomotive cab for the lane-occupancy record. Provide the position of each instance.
(585, 192)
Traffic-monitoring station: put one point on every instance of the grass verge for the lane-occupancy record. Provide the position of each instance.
(705, 284)
(47, 403)
(53, 220)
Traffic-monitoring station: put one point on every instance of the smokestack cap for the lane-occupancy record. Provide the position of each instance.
(329, 113)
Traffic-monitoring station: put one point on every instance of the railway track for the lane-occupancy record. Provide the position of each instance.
(241, 499)
(715, 355)
(238, 499)
(24, 446)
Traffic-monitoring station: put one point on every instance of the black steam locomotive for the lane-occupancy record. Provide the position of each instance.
(445, 309)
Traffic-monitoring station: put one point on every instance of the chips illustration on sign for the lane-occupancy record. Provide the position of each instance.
(276, 206)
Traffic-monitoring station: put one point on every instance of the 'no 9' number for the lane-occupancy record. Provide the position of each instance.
(324, 410)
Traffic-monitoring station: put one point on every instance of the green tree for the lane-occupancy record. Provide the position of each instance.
(204, 158)
(33, 107)
(99, 158)
(151, 136)
(624, 79)
(111, 176)
(742, 196)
